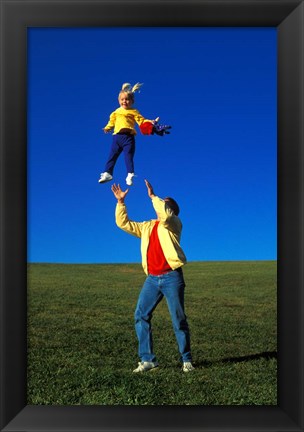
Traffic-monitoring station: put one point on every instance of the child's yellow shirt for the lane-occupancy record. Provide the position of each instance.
(123, 118)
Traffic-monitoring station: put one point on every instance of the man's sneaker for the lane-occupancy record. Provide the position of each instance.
(145, 366)
(129, 179)
(188, 367)
(105, 177)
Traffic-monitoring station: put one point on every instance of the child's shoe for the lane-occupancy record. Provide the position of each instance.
(105, 177)
(129, 179)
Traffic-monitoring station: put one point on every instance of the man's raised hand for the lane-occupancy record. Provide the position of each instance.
(150, 189)
(118, 193)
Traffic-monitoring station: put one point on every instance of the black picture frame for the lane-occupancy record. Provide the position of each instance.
(16, 16)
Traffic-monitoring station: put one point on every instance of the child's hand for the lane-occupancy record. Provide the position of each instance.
(118, 193)
(161, 129)
(106, 130)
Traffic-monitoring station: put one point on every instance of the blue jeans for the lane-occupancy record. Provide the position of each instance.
(171, 286)
(121, 143)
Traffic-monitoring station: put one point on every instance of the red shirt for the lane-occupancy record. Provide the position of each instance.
(157, 263)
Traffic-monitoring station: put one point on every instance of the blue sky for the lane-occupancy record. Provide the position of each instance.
(215, 86)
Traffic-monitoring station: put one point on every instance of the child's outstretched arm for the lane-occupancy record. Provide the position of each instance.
(111, 123)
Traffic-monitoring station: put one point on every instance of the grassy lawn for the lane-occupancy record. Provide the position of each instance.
(82, 346)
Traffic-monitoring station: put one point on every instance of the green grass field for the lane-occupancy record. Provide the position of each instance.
(82, 346)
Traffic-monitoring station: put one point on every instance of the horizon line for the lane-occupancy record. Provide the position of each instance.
(139, 263)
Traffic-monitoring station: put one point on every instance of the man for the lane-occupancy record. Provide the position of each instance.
(162, 261)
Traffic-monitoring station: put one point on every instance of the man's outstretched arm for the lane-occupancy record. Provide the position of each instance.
(119, 194)
(151, 193)
(164, 213)
(121, 214)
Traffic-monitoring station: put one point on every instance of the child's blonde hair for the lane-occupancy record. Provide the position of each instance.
(127, 88)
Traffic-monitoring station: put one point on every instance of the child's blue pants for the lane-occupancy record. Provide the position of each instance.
(121, 142)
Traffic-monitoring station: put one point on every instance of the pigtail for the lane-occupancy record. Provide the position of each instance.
(136, 87)
(127, 87)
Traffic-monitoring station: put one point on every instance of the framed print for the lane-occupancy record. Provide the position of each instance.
(18, 18)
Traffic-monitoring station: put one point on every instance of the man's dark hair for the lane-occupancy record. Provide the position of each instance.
(173, 205)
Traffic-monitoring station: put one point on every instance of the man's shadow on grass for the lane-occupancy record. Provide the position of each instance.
(264, 355)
